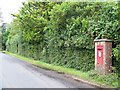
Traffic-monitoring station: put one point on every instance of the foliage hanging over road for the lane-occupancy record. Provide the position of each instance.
(63, 33)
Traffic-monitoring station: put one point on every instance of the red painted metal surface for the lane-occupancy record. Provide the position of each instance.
(100, 54)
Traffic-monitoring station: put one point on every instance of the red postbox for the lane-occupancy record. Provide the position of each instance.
(100, 54)
(103, 56)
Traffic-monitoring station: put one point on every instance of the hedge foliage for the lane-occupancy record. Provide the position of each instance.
(63, 33)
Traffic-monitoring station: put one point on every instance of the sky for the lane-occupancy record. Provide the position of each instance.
(8, 7)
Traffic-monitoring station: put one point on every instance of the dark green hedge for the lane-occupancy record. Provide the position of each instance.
(63, 33)
(80, 59)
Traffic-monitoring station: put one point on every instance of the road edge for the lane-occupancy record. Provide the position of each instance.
(77, 78)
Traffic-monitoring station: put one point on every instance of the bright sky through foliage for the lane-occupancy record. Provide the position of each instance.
(8, 7)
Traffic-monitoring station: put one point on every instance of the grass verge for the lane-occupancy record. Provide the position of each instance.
(91, 77)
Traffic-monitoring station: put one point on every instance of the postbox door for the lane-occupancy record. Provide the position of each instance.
(100, 54)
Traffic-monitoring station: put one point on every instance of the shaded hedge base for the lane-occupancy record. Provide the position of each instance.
(79, 59)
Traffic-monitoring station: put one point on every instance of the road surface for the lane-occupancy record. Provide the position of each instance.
(19, 74)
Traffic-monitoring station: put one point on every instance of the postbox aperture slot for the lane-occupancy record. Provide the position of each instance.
(99, 49)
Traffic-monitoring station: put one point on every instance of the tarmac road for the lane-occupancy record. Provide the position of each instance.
(15, 73)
